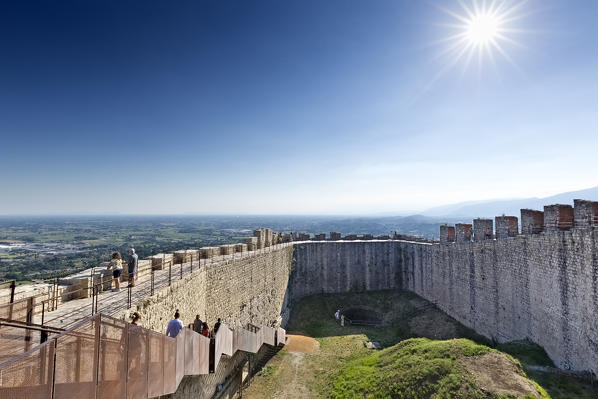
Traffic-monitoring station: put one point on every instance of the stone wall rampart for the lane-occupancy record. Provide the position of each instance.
(239, 291)
(542, 287)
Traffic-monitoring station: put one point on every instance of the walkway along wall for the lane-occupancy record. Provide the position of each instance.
(543, 287)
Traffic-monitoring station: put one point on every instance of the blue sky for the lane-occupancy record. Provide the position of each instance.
(303, 107)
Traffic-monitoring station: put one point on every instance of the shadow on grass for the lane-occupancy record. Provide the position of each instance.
(314, 316)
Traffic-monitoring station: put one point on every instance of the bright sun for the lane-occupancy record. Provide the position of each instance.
(482, 28)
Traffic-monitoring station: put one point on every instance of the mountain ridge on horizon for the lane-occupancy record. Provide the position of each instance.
(497, 207)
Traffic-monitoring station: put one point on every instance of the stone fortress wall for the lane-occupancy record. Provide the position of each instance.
(244, 291)
(540, 284)
(241, 291)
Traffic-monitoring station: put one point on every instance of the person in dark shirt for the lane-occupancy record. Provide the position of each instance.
(197, 323)
(217, 326)
(132, 262)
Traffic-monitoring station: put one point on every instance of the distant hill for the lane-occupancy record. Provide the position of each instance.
(512, 207)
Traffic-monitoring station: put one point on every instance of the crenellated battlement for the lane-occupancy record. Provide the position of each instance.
(554, 218)
(506, 227)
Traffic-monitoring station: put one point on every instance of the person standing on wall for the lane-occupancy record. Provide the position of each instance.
(116, 265)
(132, 262)
(175, 325)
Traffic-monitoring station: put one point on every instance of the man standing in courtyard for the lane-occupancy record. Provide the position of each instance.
(132, 262)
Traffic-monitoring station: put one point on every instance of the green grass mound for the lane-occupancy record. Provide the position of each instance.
(421, 369)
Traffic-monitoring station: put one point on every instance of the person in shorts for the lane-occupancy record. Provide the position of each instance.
(116, 264)
(132, 262)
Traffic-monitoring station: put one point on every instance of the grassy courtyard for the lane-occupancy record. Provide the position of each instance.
(426, 355)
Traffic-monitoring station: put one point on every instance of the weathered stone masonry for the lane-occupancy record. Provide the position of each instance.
(542, 287)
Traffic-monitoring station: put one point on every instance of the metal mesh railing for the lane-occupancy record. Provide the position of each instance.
(112, 359)
(204, 354)
(104, 358)
(156, 365)
(21, 310)
(269, 335)
(16, 340)
(29, 375)
(169, 361)
(77, 361)
(137, 363)
(180, 354)
(281, 338)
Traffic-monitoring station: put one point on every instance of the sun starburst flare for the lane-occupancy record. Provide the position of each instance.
(481, 29)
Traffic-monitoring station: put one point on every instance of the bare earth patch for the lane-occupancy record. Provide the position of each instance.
(494, 372)
(301, 343)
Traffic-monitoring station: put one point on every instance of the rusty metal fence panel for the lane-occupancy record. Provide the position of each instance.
(192, 357)
(224, 344)
(112, 359)
(281, 336)
(15, 311)
(224, 340)
(15, 341)
(258, 340)
(204, 354)
(29, 376)
(170, 383)
(137, 363)
(102, 357)
(269, 335)
(180, 354)
(156, 364)
(77, 361)
(243, 340)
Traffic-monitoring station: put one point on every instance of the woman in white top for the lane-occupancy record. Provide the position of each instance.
(116, 264)
(136, 319)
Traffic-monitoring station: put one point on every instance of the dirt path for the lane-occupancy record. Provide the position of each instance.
(288, 381)
(301, 343)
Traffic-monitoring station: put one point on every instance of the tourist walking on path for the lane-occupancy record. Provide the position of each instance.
(132, 262)
(197, 323)
(116, 264)
(205, 331)
(174, 325)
